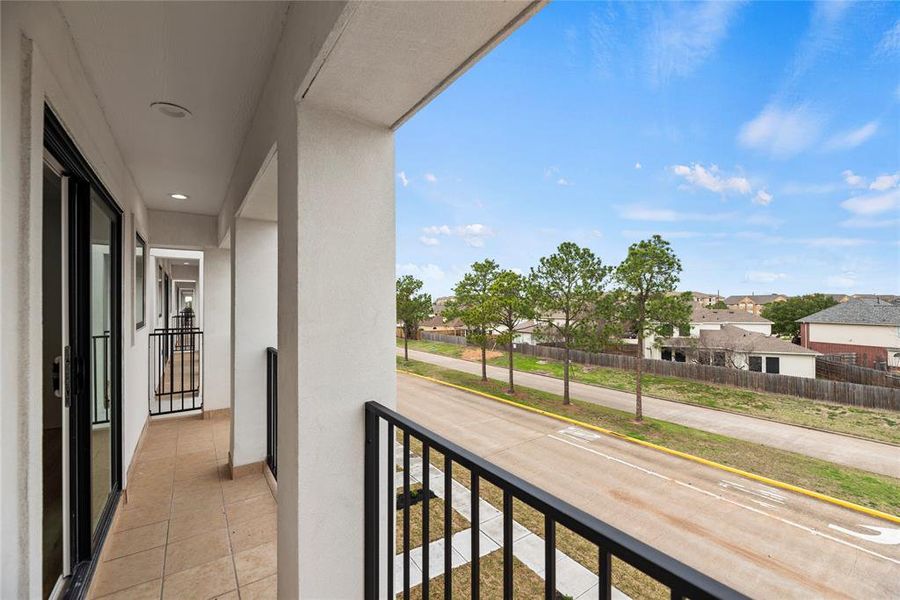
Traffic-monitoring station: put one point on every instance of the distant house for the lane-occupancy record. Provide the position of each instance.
(438, 324)
(868, 328)
(715, 318)
(735, 347)
(753, 303)
(704, 299)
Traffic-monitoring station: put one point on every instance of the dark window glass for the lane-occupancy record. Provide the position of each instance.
(667, 354)
(773, 364)
(719, 359)
(679, 356)
(756, 363)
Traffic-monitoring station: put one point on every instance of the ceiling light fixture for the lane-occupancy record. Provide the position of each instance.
(169, 109)
(178, 196)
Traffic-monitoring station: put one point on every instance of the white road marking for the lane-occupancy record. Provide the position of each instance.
(580, 433)
(730, 501)
(762, 492)
(888, 536)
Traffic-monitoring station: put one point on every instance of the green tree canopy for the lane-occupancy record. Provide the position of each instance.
(512, 304)
(567, 288)
(784, 315)
(472, 304)
(647, 280)
(413, 307)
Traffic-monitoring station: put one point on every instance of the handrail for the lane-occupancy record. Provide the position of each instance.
(272, 410)
(683, 580)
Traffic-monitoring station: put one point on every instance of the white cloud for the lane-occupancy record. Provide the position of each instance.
(637, 212)
(762, 197)
(711, 179)
(890, 42)
(873, 203)
(847, 280)
(823, 37)
(473, 234)
(596, 233)
(764, 276)
(429, 241)
(682, 36)
(870, 223)
(430, 178)
(852, 179)
(781, 132)
(403, 180)
(638, 166)
(852, 138)
(833, 242)
(885, 182)
(564, 182)
(429, 273)
(550, 171)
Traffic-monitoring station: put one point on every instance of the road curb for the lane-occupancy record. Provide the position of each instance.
(709, 463)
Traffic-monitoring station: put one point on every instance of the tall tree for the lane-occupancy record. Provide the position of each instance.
(784, 315)
(512, 306)
(412, 308)
(471, 303)
(567, 288)
(646, 281)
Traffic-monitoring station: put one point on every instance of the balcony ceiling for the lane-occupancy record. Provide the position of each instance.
(212, 58)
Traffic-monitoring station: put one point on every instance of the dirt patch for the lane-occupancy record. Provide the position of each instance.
(475, 354)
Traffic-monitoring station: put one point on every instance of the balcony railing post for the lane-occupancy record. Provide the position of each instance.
(371, 520)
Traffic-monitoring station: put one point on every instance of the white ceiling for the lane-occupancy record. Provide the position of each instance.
(211, 57)
(262, 200)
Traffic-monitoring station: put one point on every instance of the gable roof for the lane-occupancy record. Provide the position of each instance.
(733, 338)
(858, 311)
(755, 298)
(724, 315)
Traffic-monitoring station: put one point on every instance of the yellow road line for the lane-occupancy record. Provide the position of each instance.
(709, 463)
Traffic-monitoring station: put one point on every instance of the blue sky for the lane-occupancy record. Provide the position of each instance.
(761, 139)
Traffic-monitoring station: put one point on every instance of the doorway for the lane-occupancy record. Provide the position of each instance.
(82, 348)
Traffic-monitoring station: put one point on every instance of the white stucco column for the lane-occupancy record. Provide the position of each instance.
(335, 341)
(254, 323)
(216, 328)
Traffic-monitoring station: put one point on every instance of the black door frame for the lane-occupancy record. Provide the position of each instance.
(85, 546)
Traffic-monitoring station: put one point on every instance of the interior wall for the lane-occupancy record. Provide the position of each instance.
(40, 63)
(254, 327)
(217, 328)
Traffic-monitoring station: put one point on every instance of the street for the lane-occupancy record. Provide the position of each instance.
(762, 541)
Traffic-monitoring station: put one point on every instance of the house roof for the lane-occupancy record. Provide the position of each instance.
(439, 321)
(755, 298)
(733, 338)
(858, 311)
(724, 315)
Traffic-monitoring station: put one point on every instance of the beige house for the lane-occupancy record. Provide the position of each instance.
(753, 303)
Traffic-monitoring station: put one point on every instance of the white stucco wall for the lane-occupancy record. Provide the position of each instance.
(39, 62)
(217, 328)
(254, 327)
(885, 336)
(796, 365)
(764, 328)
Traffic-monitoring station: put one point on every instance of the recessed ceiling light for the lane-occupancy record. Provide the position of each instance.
(178, 196)
(169, 109)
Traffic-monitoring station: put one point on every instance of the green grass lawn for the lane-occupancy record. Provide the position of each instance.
(855, 485)
(882, 425)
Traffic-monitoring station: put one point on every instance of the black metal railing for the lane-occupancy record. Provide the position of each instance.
(682, 580)
(183, 320)
(272, 410)
(100, 377)
(175, 374)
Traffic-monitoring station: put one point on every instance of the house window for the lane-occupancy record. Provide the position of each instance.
(756, 363)
(684, 331)
(773, 364)
(719, 359)
(679, 356)
(703, 357)
(667, 354)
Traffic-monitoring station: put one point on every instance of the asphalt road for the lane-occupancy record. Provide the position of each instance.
(841, 449)
(765, 542)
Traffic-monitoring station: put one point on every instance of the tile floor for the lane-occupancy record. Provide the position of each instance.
(188, 531)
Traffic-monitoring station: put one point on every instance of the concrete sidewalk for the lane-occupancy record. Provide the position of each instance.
(840, 449)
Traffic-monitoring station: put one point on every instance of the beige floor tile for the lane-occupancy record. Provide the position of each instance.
(256, 563)
(128, 571)
(191, 552)
(254, 532)
(140, 516)
(210, 499)
(194, 470)
(264, 589)
(209, 580)
(191, 523)
(244, 487)
(250, 508)
(148, 496)
(144, 591)
(123, 543)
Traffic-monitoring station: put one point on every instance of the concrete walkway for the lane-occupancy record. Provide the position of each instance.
(841, 449)
(572, 579)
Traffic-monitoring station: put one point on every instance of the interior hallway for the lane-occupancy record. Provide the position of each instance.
(188, 530)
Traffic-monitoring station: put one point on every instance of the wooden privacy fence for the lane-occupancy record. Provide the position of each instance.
(827, 368)
(840, 392)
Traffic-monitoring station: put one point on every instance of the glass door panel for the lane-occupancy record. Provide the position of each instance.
(101, 317)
